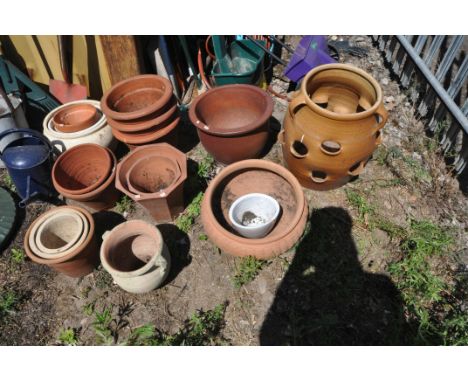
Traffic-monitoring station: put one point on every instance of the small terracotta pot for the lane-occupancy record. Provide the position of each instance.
(232, 121)
(254, 176)
(150, 135)
(152, 174)
(79, 262)
(103, 197)
(81, 169)
(75, 117)
(136, 97)
(162, 206)
(332, 126)
(152, 121)
(135, 255)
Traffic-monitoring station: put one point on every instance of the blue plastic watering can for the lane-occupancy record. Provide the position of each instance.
(29, 159)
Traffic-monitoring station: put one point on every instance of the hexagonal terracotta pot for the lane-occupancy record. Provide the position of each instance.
(159, 192)
(332, 126)
(254, 176)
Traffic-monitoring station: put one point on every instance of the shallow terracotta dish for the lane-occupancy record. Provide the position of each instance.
(254, 176)
(136, 97)
(232, 121)
(75, 117)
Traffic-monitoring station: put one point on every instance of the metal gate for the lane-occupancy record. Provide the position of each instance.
(435, 70)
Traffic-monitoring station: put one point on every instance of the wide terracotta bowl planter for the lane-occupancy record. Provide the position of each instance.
(76, 263)
(75, 118)
(151, 121)
(232, 121)
(135, 255)
(332, 126)
(254, 176)
(136, 97)
(81, 169)
(103, 197)
(163, 205)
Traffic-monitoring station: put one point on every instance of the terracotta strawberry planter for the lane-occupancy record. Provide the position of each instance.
(79, 167)
(135, 255)
(75, 117)
(254, 176)
(163, 204)
(136, 97)
(332, 126)
(80, 259)
(232, 121)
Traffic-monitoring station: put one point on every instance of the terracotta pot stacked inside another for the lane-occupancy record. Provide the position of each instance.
(63, 238)
(154, 176)
(332, 127)
(86, 174)
(142, 110)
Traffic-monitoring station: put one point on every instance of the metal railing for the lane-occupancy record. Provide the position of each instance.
(435, 69)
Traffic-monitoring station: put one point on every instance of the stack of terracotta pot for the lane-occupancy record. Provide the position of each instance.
(63, 238)
(142, 110)
(332, 126)
(86, 174)
(78, 122)
(154, 176)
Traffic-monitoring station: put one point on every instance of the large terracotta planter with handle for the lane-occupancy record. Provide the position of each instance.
(154, 176)
(136, 256)
(332, 126)
(75, 259)
(232, 121)
(254, 176)
(86, 174)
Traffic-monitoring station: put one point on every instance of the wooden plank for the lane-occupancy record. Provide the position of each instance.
(121, 55)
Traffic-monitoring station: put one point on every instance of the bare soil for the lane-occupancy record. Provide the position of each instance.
(335, 280)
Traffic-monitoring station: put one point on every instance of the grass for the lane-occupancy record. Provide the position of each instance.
(68, 337)
(125, 204)
(8, 301)
(185, 221)
(8, 182)
(247, 270)
(358, 201)
(17, 256)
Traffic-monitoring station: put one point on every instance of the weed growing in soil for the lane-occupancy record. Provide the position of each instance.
(206, 166)
(125, 204)
(202, 237)
(8, 182)
(8, 301)
(17, 256)
(68, 337)
(247, 270)
(101, 325)
(358, 201)
(186, 220)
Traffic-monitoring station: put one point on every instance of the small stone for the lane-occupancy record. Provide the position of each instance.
(389, 99)
(334, 38)
(385, 81)
(387, 205)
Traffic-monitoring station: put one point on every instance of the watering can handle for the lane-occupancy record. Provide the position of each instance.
(27, 132)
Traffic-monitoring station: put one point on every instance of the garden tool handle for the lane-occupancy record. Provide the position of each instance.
(383, 114)
(297, 101)
(63, 57)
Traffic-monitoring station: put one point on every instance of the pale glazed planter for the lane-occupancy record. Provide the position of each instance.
(254, 176)
(332, 126)
(99, 133)
(136, 256)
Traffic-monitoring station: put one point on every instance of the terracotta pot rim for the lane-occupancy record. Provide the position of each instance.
(47, 123)
(82, 125)
(124, 235)
(125, 116)
(102, 187)
(338, 116)
(253, 164)
(137, 126)
(88, 189)
(177, 157)
(158, 133)
(72, 254)
(242, 129)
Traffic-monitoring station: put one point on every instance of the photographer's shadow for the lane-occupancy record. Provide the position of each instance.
(326, 298)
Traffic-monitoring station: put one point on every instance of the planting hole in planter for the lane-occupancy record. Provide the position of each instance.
(59, 231)
(323, 105)
(356, 168)
(299, 149)
(378, 137)
(318, 176)
(330, 147)
(132, 253)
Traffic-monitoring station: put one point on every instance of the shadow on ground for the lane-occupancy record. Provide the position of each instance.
(326, 298)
